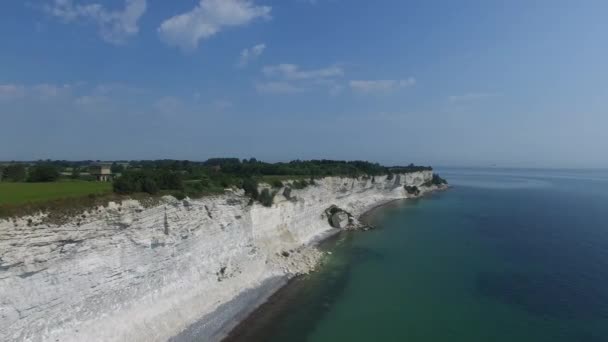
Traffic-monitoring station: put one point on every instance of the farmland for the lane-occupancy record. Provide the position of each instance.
(21, 193)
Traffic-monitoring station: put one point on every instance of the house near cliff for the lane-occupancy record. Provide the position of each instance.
(101, 172)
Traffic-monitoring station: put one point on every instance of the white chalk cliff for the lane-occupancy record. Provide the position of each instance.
(128, 273)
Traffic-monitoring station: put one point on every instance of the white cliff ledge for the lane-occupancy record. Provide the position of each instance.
(127, 273)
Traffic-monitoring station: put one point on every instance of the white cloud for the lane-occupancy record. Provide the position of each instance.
(43, 91)
(469, 97)
(250, 54)
(290, 78)
(78, 93)
(223, 104)
(9, 92)
(91, 100)
(50, 91)
(207, 19)
(114, 26)
(277, 87)
(293, 72)
(169, 105)
(380, 86)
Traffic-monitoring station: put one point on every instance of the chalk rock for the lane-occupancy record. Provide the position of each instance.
(116, 273)
(340, 220)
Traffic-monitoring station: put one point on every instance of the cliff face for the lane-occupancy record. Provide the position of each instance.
(124, 272)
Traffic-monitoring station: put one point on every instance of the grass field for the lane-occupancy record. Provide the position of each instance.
(20, 193)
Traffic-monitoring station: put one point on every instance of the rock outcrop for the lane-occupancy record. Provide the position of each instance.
(128, 273)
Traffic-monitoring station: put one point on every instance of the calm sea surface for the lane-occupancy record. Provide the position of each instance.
(503, 256)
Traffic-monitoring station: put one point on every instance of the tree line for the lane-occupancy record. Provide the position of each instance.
(35, 173)
(186, 178)
(190, 178)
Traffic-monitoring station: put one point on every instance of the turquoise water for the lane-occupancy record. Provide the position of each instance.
(503, 256)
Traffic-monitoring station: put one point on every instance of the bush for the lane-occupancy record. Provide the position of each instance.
(43, 173)
(125, 185)
(250, 186)
(75, 173)
(300, 184)
(277, 183)
(197, 186)
(14, 173)
(266, 198)
(149, 186)
(167, 180)
(179, 195)
(150, 181)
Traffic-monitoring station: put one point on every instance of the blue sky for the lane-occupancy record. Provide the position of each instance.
(479, 83)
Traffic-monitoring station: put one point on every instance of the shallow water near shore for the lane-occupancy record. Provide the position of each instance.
(505, 255)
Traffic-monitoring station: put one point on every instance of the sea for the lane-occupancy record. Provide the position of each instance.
(503, 255)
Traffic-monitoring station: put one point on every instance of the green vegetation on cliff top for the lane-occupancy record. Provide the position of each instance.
(179, 178)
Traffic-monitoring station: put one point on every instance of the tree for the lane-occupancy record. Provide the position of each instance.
(149, 186)
(117, 168)
(124, 185)
(75, 172)
(168, 180)
(14, 173)
(43, 173)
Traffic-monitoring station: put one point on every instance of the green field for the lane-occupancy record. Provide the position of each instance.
(20, 193)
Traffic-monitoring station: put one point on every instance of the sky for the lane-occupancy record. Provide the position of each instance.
(519, 83)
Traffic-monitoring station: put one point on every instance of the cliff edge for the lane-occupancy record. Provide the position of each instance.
(128, 273)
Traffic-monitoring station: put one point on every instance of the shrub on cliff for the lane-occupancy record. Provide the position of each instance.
(277, 183)
(266, 198)
(301, 184)
(250, 186)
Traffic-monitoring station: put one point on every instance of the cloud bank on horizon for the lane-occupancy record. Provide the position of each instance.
(521, 85)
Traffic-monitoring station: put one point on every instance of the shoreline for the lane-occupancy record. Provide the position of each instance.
(187, 269)
(276, 300)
